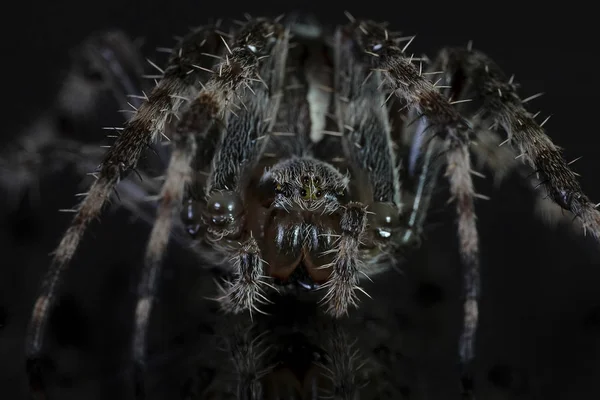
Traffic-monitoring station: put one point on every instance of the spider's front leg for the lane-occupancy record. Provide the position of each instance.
(249, 72)
(227, 188)
(373, 221)
(381, 50)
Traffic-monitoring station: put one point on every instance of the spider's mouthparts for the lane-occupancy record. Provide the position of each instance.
(300, 278)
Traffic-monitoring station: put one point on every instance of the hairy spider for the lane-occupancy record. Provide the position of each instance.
(303, 157)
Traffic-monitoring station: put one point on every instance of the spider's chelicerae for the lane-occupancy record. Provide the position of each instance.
(303, 157)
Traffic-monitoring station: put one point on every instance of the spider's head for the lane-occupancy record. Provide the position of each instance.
(305, 184)
(300, 224)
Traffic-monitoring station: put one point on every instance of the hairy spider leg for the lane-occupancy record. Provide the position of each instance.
(503, 109)
(363, 123)
(262, 48)
(237, 74)
(382, 53)
(145, 127)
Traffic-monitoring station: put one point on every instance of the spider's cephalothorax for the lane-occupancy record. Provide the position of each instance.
(298, 224)
(282, 207)
(305, 157)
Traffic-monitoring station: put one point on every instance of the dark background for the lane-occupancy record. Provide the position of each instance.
(540, 314)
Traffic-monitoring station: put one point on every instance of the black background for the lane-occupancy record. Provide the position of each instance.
(540, 315)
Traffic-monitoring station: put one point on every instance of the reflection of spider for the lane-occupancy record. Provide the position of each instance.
(308, 159)
(316, 360)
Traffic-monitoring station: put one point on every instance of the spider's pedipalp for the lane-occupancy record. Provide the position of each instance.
(244, 293)
(140, 131)
(379, 50)
(347, 264)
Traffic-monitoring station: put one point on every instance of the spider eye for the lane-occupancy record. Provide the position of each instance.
(377, 47)
(304, 193)
(251, 47)
(224, 203)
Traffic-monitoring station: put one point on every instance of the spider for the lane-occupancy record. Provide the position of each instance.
(305, 157)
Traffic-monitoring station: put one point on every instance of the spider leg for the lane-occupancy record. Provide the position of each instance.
(381, 51)
(501, 109)
(105, 69)
(145, 126)
(258, 58)
(491, 151)
(186, 139)
(252, 76)
(179, 173)
(424, 159)
(506, 110)
(364, 122)
(231, 78)
(426, 151)
(364, 126)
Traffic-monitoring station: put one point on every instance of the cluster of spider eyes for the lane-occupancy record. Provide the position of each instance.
(308, 194)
